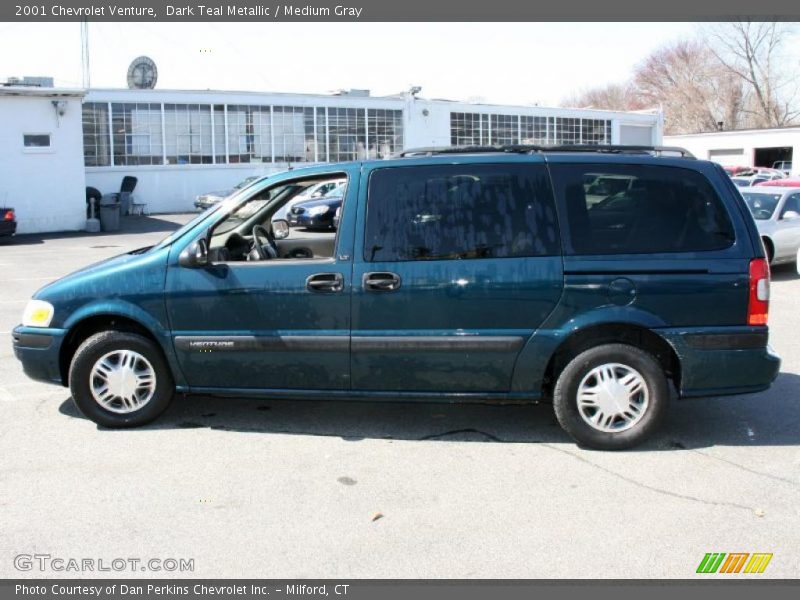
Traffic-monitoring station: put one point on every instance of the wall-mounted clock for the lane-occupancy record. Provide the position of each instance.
(142, 74)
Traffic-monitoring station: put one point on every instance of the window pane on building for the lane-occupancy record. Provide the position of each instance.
(289, 128)
(385, 132)
(219, 133)
(136, 133)
(536, 130)
(595, 131)
(465, 129)
(322, 135)
(453, 212)
(96, 148)
(188, 133)
(504, 130)
(249, 134)
(346, 134)
(568, 130)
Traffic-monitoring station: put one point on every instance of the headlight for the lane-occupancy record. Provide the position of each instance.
(38, 313)
(316, 211)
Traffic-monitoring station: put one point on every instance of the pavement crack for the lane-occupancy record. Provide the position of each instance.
(652, 488)
(747, 469)
(436, 436)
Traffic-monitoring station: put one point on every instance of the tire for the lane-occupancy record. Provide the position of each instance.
(768, 249)
(129, 360)
(644, 391)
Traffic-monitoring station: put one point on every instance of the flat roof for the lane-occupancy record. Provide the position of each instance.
(752, 130)
(463, 105)
(44, 92)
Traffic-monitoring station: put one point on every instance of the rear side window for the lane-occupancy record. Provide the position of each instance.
(451, 212)
(639, 209)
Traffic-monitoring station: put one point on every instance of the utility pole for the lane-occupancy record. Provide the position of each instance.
(85, 78)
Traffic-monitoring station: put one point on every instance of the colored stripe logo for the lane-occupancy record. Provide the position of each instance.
(734, 562)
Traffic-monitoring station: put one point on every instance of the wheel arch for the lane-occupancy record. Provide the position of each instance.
(769, 247)
(80, 330)
(606, 333)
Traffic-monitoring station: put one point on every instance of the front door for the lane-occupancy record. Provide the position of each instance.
(455, 268)
(281, 323)
(787, 230)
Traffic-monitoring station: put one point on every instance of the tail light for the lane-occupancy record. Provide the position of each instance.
(758, 302)
(9, 215)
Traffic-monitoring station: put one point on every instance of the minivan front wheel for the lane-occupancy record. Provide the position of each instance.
(611, 397)
(120, 379)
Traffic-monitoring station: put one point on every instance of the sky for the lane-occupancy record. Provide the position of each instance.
(504, 63)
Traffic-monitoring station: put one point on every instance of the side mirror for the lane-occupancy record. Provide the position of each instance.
(195, 254)
(280, 229)
(790, 215)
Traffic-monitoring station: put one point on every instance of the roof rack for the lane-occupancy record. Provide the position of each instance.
(531, 149)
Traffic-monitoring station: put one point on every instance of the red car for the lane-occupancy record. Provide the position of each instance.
(8, 221)
(736, 170)
(785, 182)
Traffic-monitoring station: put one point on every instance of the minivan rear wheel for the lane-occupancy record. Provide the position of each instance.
(611, 397)
(120, 379)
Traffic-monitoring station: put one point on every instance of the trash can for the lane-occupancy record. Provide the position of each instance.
(109, 213)
(125, 203)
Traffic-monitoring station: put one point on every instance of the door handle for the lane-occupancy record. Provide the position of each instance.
(381, 282)
(325, 282)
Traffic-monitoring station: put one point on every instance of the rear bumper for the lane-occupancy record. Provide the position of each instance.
(724, 361)
(38, 350)
(8, 227)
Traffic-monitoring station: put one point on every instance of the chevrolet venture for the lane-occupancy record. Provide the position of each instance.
(602, 279)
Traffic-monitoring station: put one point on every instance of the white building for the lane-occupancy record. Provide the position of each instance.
(181, 143)
(41, 162)
(746, 148)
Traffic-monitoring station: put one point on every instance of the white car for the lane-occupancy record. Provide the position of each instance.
(777, 215)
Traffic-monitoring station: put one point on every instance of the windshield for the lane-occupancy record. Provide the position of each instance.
(224, 205)
(762, 205)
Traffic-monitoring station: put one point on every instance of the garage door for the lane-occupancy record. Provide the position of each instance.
(727, 156)
(635, 135)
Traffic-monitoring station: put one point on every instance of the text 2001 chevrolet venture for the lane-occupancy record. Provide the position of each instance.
(596, 278)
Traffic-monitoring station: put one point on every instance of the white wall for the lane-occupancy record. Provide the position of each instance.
(45, 187)
(173, 188)
(702, 144)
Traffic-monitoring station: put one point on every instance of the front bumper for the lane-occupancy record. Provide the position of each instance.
(323, 222)
(38, 349)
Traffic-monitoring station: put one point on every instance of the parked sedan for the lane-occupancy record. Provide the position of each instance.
(8, 222)
(749, 180)
(333, 188)
(315, 214)
(205, 201)
(788, 182)
(777, 215)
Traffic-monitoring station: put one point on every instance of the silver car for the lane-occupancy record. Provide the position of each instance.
(777, 215)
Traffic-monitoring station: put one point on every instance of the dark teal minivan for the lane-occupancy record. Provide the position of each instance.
(605, 280)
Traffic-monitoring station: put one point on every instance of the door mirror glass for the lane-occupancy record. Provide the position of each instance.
(195, 254)
(790, 215)
(280, 229)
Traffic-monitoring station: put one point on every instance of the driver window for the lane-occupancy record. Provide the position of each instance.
(792, 204)
(307, 213)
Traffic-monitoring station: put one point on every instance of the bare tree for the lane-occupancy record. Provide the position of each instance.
(614, 96)
(752, 51)
(695, 91)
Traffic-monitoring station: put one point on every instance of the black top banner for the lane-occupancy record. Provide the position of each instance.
(398, 10)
